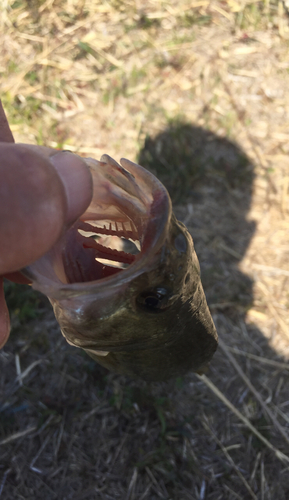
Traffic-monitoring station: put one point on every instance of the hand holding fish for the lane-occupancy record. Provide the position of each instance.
(119, 269)
(42, 192)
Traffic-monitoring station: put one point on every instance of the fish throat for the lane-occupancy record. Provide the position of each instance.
(101, 248)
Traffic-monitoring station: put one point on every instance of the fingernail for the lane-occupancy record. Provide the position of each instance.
(77, 181)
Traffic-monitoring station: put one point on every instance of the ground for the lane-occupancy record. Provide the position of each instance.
(197, 91)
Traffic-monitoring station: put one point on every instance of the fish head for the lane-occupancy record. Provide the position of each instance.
(124, 280)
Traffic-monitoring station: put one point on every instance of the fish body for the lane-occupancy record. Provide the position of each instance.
(124, 280)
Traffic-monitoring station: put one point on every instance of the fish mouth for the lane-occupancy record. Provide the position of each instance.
(123, 228)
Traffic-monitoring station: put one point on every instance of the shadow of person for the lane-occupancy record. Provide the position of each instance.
(210, 180)
(211, 183)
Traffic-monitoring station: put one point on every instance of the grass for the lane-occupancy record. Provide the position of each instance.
(23, 302)
(196, 92)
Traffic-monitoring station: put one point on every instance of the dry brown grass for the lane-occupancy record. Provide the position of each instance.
(208, 82)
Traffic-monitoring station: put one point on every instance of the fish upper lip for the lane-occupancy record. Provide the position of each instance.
(133, 191)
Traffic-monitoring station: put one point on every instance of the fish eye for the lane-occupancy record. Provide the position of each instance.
(181, 243)
(154, 300)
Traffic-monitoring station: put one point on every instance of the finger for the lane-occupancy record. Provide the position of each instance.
(74, 174)
(41, 194)
(4, 317)
(5, 132)
(17, 277)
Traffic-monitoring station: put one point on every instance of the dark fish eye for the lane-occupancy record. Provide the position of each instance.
(153, 300)
(181, 243)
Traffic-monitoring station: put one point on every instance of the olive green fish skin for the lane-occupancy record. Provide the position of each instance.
(152, 343)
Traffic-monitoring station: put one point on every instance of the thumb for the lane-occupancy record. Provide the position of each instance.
(41, 195)
(42, 192)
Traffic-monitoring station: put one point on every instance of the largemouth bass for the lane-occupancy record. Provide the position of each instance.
(124, 281)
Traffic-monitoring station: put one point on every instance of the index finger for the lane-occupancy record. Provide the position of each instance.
(5, 132)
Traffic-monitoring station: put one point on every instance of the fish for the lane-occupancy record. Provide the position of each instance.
(124, 281)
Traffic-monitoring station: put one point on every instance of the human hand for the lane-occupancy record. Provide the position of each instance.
(42, 193)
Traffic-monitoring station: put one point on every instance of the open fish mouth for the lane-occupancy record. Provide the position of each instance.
(124, 280)
(111, 232)
(122, 229)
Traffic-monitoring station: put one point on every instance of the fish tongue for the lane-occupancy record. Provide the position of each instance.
(86, 259)
(108, 253)
(81, 266)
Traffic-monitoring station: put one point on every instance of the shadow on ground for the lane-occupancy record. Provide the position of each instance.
(75, 431)
(210, 182)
